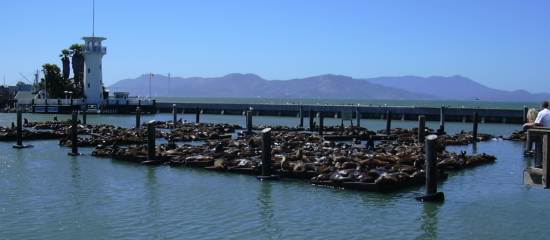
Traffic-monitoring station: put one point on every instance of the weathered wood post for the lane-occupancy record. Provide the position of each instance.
(74, 134)
(174, 115)
(441, 129)
(421, 128)
(151, 155)
(198, 116)
(311, 127)
(430, 163)
(19, 133)
(358, 117)
(321, 123)
(546, 161)
(388, 122)
(266, 157)
(474, 132)
(138, 117)
(249, 121)
(301, 117)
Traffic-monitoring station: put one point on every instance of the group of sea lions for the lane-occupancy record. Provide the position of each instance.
(396, 160)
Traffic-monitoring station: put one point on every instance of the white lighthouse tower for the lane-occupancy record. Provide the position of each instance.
(93, 74)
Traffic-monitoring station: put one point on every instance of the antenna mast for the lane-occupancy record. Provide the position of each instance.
(93, 18)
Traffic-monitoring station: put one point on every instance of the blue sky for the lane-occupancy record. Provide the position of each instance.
(503, 44)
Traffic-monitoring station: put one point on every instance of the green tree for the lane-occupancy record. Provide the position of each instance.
(53, 81)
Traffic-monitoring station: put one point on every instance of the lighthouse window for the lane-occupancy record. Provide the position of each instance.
(88, 85)
(88, 70)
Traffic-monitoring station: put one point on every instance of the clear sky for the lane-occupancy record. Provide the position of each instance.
(503, 44)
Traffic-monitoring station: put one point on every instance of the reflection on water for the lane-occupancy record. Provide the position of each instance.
(45, 193)
(265, 205)
(429, 220)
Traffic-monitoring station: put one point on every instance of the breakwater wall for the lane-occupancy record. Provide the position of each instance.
(515, 116)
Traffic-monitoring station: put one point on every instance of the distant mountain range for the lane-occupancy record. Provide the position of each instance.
(324, 86)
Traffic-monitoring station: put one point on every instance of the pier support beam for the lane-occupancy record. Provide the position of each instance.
(138, 117)
(266, 157)
(539, 151)
(545, 161)
(388, 122)
(74, 135)
(421, 128)
(432, 195)
(475, 123)
(19, 133)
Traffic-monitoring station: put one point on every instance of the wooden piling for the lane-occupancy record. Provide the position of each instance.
(84, 113)
(358, 117)
(19, 128)
(421, 128)
(151, 155)
(138, 117)
(441, 120)
(266, 152)
(475, 123)
(301, 117)
(321, 123)
(266, 157)
(249, 121)
(198, 116)
(174, 115)
(545, 161)
(388, 122)
(74, 134)
(430, 164)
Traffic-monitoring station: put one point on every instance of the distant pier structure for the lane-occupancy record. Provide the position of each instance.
(450, 114)
(96, 97)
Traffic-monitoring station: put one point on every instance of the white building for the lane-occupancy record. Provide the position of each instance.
(93, 75)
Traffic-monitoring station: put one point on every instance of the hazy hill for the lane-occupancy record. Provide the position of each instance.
(323, 86)
(253, 86)
(456, 88)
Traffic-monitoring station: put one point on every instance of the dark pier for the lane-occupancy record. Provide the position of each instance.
(515, 116)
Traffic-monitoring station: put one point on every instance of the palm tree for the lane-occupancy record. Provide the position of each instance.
(77, 54)
(65, 60)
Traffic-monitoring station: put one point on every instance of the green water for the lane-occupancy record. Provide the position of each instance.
(363, 102)
(45, 194)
